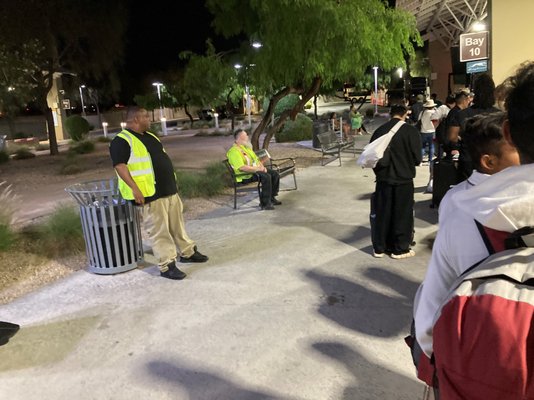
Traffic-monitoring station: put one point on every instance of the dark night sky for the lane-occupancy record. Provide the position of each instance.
(157, 32)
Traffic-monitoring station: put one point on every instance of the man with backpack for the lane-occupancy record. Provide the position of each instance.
(484, 339)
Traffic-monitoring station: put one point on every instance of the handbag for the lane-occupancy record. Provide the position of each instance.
(374, 151)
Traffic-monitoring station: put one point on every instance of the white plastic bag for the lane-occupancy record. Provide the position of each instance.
(374, 151)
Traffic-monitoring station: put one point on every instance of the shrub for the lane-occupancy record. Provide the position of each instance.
(83, 147)
(4, 157)
(103, 139)
(7, 237)
(70, 165)
(8, 207)
(294, 131)
(77, 127)
(210, 183)
(23, 153)
(60, 234)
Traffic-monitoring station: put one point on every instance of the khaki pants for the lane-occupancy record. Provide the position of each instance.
(163, 222)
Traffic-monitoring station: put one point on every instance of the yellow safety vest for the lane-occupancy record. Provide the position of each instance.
(140, 167)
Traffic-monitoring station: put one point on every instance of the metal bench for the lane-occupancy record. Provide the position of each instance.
(284, 167)
(240, 187)
(331, 147)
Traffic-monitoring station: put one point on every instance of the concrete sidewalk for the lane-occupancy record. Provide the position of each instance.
(291, 305)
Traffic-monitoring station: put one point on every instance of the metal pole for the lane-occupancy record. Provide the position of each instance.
(248, 105)
(81, 98)
(160, 105)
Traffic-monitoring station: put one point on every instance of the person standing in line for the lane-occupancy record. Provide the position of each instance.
(489, 150)
(434, 96)
(417, 108)
(483, 103)
(439, 118)
(392, 217)
(428, 130)
(146, 176)
(243, 160)
(452, 125)
(501, 202)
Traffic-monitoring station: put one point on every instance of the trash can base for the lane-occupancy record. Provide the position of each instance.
(112, 270)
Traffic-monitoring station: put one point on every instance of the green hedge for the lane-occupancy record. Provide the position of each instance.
(295, 131)
(77, 127)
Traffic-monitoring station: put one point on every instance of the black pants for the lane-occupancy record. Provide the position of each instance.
(270, 183)
(392, 217)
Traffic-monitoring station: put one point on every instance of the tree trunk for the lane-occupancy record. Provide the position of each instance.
(255, 139)
(11, 125)
(308, 94)
(279, 124)
(51, 132)
(186, 110)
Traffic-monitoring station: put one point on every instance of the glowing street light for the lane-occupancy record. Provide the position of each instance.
(81, 98)
(256, 45)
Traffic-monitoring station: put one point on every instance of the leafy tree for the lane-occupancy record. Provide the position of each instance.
(82, 37)
(208, 81)
(77, 127)
(15, 89)
(311, 43)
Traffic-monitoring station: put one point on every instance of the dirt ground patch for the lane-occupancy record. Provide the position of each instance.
(41, 188)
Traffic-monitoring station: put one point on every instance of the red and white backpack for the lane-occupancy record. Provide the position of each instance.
(483, 336)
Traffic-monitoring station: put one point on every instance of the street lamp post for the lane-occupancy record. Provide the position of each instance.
(376, 89)
(162, 119)
(248, 103)
(81, 98)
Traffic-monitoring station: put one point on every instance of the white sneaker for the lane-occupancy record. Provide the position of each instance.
(408, 254)
(378, 255)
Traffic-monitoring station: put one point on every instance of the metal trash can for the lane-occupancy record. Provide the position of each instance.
(111, 227)
(318, 128)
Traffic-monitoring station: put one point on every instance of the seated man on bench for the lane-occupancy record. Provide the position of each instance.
(243, 159)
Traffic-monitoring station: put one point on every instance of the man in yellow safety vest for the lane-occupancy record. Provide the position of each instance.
(146, 176)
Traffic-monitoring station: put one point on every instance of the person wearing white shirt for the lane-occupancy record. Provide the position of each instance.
(458, 243)
(428, 129)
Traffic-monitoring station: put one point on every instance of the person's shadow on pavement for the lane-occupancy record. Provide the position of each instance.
(364, 310)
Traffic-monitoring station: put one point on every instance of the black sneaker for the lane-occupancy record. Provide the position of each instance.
(195, 258)
(173, 272)
(7, 331)
(268, 206)
(275, 202)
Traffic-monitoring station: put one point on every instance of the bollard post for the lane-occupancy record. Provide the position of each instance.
(105, 128)
(164, 126)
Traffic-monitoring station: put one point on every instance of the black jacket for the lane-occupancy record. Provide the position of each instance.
(402, 156)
